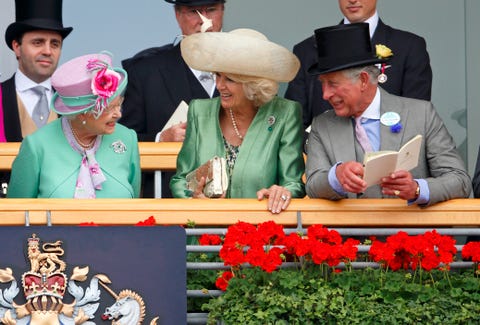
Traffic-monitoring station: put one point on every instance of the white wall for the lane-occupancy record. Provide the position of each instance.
(120, 26)
(8, 64)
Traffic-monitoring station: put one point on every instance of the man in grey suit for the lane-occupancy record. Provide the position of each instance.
(346, 68)
(409, 72)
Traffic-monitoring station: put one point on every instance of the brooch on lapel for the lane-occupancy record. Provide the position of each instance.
(118, 147)
(392, 120)
(270, 122)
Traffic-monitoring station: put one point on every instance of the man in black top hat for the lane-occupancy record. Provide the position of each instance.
(408, 72)
(159, 79)
(366, 118)
(36, 37)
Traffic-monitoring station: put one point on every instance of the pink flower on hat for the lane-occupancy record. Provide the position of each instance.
(105, 83)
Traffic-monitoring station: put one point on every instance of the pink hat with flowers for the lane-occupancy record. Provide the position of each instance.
(87, 83)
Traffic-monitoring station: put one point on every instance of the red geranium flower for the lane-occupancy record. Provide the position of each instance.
(147, 222)
(222, 282)
(471, 251)
(207, 240)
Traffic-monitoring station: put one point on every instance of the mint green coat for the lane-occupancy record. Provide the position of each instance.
(47, 166)
(270, 154)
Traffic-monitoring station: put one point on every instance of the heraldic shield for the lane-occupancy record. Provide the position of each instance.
(92, 275)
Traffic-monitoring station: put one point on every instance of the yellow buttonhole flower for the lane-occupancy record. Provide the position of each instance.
(383, 51)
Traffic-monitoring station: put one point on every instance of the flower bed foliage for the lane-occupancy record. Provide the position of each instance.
(413, 283)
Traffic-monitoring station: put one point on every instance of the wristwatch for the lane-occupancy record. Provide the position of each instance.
(417, 191)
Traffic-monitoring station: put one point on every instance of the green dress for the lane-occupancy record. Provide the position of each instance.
(271, 152)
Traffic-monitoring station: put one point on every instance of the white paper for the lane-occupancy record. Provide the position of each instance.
(382, 163)
(179, 116)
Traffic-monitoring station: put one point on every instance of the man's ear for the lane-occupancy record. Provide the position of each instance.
(364, 79)
(16, 48)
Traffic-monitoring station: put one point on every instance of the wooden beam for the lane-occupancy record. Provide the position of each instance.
(221, 212)
(153, 155)
(159, 155)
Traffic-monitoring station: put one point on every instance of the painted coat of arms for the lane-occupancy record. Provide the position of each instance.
(46, 284)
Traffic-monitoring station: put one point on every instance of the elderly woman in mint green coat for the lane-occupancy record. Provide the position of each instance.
(85, 154)
(258, 133)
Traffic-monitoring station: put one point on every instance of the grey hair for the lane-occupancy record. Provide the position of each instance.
(259, 90)
(71, 117)
(372, 70)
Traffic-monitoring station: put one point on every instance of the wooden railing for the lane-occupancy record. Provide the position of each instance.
(153, 155)
(221, 212)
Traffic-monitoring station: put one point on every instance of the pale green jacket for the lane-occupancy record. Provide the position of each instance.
(271, 152)
(47, 166)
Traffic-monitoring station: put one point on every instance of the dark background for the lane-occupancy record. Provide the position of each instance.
(147, 260)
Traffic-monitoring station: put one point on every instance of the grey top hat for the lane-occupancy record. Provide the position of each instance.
(190, 3)
(34, 15)
(341, 47)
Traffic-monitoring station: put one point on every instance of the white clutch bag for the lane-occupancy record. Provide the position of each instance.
(216, 178)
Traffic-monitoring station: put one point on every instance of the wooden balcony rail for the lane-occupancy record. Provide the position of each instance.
(222, 212)
(153, 155)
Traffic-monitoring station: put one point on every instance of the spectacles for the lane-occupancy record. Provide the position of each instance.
(113, 108)
(206, 11)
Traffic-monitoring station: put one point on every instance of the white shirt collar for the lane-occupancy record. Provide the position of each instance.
(197, 74)
(23, 83)
(372, 22)
(373, 110)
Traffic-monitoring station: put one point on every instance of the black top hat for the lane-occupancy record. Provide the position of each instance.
(190, 3)
(34, 15)
(341, 47)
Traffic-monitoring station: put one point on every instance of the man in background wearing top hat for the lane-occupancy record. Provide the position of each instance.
(159, 79)
(36, 37)
(408, 72)
(346, 68)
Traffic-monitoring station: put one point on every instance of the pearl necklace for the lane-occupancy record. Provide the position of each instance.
(83, 145)
(234, 123)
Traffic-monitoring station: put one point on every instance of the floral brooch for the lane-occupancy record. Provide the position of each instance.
(118, 147)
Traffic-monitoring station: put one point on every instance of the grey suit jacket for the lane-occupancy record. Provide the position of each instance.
(332, 139)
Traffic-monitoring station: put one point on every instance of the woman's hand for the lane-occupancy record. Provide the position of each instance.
(278, 198)
(198, 193)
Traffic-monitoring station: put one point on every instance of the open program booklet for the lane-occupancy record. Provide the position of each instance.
(381, 164)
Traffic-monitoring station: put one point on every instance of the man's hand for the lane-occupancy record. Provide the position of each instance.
(174, 134)
(350, 175)
(401, 184)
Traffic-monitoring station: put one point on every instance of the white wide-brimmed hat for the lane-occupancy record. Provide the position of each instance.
(241, 51)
